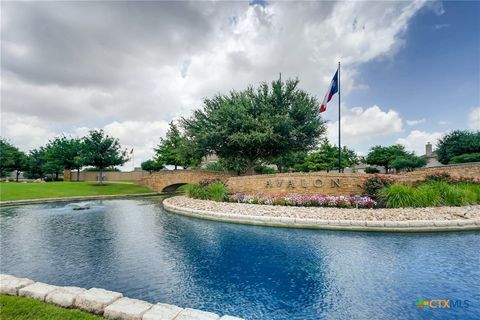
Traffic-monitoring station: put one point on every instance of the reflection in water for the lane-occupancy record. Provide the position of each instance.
(135, 247)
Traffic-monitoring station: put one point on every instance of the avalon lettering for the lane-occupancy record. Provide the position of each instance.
(303, 183)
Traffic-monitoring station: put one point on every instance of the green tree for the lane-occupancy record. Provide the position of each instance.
(54, 168)
(383, 156)
(151, 166)
(65, 152)
(349, 157)
(172, 149)
(458, 143)
(36, 162)
(20, 163)
(408, 162)
(102, 151)
(243, 128)
(7, 156)
(467, 157)
(12, 159)
(189, 153)
(326, 158)
(289, 161)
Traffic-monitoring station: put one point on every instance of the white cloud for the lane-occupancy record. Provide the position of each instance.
(26, 132)
(444, 122)
(416, 140)
(365, 125)
(103, 65)
(142, 136)
(415, 122)
(441, 26)
(474, 119)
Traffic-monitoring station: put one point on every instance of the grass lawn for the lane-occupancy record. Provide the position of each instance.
(20, 308)
(21, 191)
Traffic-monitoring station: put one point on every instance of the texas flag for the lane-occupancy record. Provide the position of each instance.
(331, 91)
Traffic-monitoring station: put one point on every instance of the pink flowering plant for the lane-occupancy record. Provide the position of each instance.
(304, 200)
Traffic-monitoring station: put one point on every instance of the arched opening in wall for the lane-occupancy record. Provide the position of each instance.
(172, 187)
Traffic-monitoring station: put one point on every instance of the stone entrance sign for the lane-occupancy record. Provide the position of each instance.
(317, 183)
(312, 182)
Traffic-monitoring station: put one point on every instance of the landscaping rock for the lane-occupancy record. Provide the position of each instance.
(162, 311)
(96, 300)
(193, 314)
(239, 210)
(37, 290)
(64, 296)
(127, 309)
(10, 284)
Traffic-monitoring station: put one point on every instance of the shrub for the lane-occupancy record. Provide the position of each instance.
(431, 194)
(427, 196)
(468, 157)
(207, 182)
(217, 191)
(197, 192)
(371, 170)
(474, 188)
(373, 187)
(261, 169)
(458, 195)
(216, 166)
(440, 176)
(399, 196)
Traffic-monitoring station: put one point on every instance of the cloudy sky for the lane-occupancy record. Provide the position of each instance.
(410, 70)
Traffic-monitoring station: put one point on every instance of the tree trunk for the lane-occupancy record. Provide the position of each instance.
(101, 176)
(78, 174)
(175, 167)
(56, 176)
(18, 173)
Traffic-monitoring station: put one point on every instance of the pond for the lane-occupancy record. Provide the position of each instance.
(137, 248)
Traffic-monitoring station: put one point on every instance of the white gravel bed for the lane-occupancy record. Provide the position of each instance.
(400, 214)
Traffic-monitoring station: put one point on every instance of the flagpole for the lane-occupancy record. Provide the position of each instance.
(339, 125)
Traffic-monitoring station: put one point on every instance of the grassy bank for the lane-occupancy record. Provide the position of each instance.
(22, 191)
(20, 308)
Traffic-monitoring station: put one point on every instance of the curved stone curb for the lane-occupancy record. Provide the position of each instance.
(345, 225)
(79, 198)
(110, 304)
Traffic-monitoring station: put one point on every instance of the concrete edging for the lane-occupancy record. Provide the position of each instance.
(340, 225)
(110, 304)
(76, 198)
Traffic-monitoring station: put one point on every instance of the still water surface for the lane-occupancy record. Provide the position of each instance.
(137, 248)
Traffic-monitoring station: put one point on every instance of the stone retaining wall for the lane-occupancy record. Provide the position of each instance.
(459, 171)
(110, 304)
(160, 180)
(312, 182)
(309, 223)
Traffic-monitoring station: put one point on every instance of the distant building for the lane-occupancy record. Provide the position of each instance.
(431, 156)
(208, 159)
(360, 168)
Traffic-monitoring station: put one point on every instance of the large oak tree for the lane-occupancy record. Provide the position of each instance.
(102, 151)
(244, 127)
